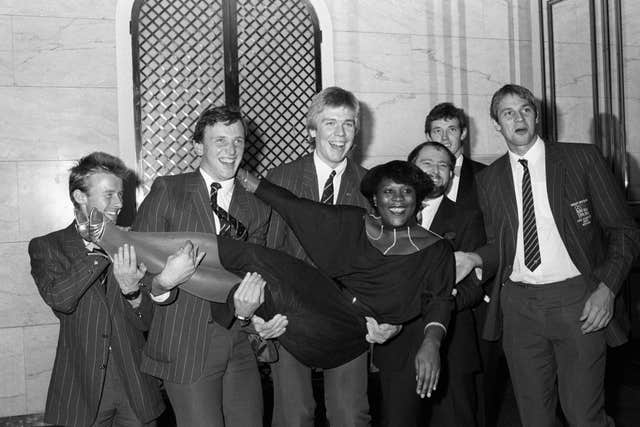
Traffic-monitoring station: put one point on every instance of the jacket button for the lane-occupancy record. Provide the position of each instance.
(103, 366)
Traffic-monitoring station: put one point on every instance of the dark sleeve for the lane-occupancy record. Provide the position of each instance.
(437, 301)
(469, 238)
(324, 231)
(489, 252)
(62, 281)
(611, 212)
(277, 229)
(152, 217)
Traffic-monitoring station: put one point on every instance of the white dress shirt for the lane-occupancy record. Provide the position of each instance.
(556, 263)
(429, 210)
(323, 171)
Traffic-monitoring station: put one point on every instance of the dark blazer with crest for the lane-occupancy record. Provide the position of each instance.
(300, 178)
(180, 333)
(601, 237)
(93, 318)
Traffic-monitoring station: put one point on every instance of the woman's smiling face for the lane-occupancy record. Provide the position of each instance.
(396, 203)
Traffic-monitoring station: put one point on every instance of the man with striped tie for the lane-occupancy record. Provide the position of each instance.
(560, 240)
(326, 175)
(96, 378)
(200, 349)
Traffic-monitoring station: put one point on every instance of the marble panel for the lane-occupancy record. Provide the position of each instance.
(56, 123)
(573, 69)
(105, 9)
(630, 19)
(392, 124)
(20, 302)
(571, 21)
(12, 373)
(9, 230)
(44, 188)
(631, 71)
(469, 66)
(6, 51)
(632, 112)
(373, 62)
(574, 119)
(64, 52)
(471, 18)
(39, 353)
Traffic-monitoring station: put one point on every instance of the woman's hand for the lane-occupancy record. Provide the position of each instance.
(247, 180)
(271, 329)
(427, 363)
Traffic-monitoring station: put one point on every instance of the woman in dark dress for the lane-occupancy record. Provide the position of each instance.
(382, 266)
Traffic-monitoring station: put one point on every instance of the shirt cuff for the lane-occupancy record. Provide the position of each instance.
(161, 297)
(434, 324)
(478, 271)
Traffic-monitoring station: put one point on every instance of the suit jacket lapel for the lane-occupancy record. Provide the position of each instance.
(440, 224)
(507, 199)
(466, 177)
(72, 242)
(555, 176)
(309, 179)
(200, 202)
(348, 185)
(239, 204)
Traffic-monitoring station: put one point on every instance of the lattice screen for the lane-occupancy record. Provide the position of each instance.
(277, 78)
(179, 71)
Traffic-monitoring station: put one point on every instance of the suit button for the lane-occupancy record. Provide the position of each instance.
(103, 367)
(95, 262)
(210, 321)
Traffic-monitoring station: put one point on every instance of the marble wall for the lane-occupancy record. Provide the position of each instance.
(58, 83)
(58, 92)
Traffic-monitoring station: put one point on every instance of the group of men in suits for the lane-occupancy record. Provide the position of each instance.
(555, 311)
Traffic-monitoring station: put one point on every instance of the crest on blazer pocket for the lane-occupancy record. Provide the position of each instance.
(582, 209)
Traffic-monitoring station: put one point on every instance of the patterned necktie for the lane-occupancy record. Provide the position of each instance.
(327, 193)
(529, 231)
(229, 226)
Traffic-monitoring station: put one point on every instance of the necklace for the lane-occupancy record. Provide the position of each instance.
(392, 244)
(395, 240)
(411, 240)
(379, 235)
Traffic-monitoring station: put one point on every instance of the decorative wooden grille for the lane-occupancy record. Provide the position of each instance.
(271, 57)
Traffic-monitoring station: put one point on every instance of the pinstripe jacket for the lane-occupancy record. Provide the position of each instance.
(180, 332)
(300, 178)
(97, 327)
(589, 210)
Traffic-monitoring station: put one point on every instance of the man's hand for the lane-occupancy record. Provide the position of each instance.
(271, 329)
(465, 263)
(126, 269)
(249, 295)
(380, 333)
(427, 363)
(179, 268)
(598, 310)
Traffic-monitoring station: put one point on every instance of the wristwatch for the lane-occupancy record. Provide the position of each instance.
(244, 321)
(132, 295)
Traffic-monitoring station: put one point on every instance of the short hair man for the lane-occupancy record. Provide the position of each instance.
(202, 354)
(448, 125)
(561, 240)
(326, 175)
(96, 378)
(455, 401)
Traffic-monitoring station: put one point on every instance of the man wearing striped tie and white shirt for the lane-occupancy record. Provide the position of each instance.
(560, 240)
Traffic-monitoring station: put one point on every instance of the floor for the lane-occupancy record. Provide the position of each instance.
(623, 396)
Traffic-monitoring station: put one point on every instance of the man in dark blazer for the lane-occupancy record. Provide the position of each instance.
(198, 348)
(332, 122)
(449, 125)
(96, 377)
(560, 241)
(454, 403)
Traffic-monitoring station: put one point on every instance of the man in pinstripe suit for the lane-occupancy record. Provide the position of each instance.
(96, 379)
(332, 122)
(198, 348)
(561, 241)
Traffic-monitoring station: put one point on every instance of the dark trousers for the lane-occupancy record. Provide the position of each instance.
(401, 405)
(549, 357)
(115, 409)
(455, 403)
(345, 391)
(229, 393)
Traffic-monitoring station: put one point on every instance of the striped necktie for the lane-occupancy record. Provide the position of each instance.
(229, 226)
(529, 231)
(327, 193)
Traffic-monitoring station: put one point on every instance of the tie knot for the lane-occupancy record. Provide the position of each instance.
(215, 186)
(523, 162)
(332, 174)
